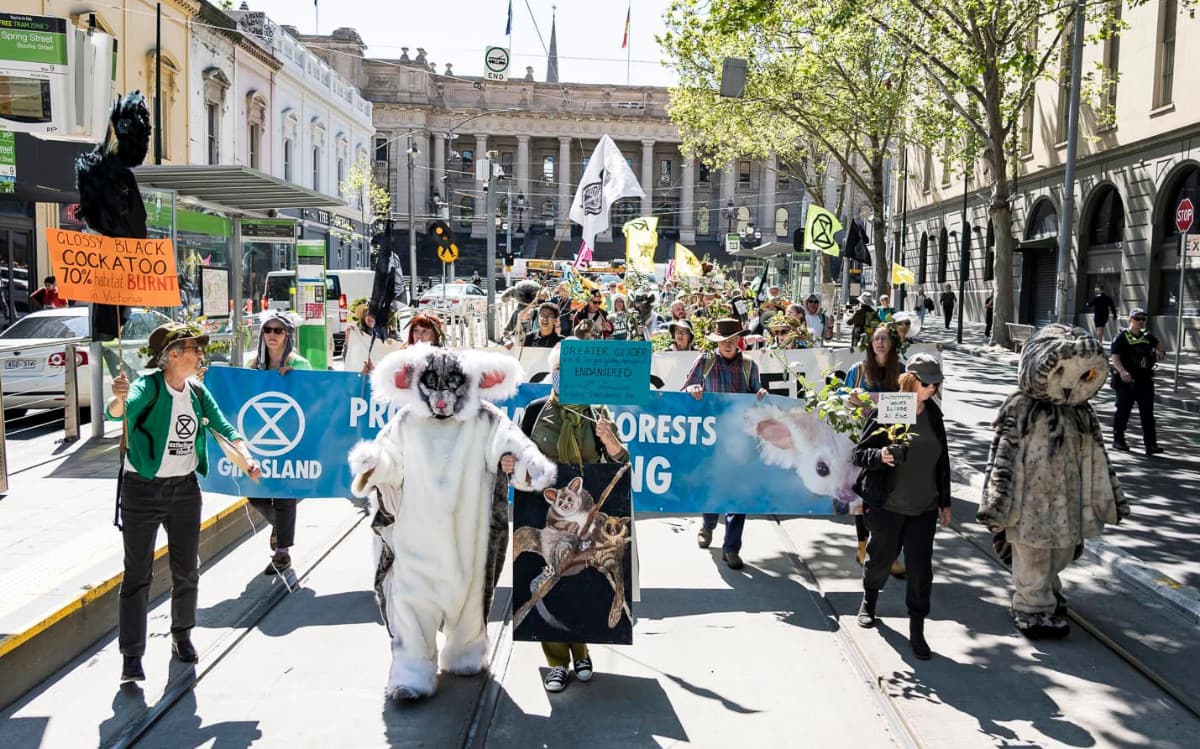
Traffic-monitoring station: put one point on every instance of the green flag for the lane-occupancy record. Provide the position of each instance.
(819, 229)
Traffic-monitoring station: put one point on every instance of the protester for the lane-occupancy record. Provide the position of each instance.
(923, 305)
(545, 336)
(578, 435)
(594, 314)
(678, 310)
(988, 316)
(620, 318)
(165, 412)
(903, 324)
(47, 296)
(276, 351)
(425, 329)
(906, 489)
(682, 335)
(948, 299)
(857, 320)
(563, 300)
(878, 372)
(817, 321)
(726, 371)
(885, 311)
(1102, 307)
(1135, 353)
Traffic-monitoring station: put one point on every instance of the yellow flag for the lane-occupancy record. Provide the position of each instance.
(686, 263)
(641, 240)
(902, 275)
(819, 229)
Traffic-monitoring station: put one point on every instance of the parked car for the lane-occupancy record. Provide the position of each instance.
(34, 369)
(455, 298)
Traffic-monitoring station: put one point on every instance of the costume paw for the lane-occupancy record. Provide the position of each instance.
(363, 459)
(1041, 626)
(411, 678)
(533, 472)
(464, 659)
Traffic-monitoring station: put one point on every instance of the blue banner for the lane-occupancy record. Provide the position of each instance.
(723, 453)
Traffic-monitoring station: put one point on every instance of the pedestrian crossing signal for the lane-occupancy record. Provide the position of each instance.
(444, 241)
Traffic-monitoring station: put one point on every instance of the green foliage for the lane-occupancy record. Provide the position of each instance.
(897, 434)
(360, 183)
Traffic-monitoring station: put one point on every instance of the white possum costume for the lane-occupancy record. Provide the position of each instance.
(442, 515)
(1049, 484)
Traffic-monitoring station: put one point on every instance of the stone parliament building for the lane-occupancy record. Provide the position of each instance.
(543, 132)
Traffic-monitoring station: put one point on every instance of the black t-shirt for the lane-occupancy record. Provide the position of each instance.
(537, 340)
(1138, 353)
(1102, 305)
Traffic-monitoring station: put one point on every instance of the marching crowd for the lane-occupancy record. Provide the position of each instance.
(905, 492)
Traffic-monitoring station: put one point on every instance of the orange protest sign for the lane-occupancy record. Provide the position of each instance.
(112, 270)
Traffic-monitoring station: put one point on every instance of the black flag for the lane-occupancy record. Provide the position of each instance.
(386, 289)
(856, 244)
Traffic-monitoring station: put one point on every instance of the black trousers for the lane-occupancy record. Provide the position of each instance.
(889, 532)
(173, 503)
(1141, 392)
(947, 313)
(281, 514)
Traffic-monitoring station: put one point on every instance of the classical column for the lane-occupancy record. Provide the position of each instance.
(563, 221)
(439, 167)
(479, 224)
(523, 167)
(766, 199)
(728, 177)
(421, 178)
(687, 198)
(647, 176)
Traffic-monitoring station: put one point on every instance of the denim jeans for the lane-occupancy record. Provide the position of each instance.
(173, 503)
(734, 523)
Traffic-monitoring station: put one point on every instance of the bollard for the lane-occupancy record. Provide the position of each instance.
(71, 395)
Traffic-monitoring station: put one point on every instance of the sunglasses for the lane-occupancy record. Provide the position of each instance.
(927, 384)
(1139, 319)
(274, 331)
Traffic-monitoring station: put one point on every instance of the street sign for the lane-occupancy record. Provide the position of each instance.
(448, 254)
(1184, 215)
(1193, 246)
(495, 64)
(733, 242)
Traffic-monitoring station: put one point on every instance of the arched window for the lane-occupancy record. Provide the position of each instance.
(781, 222)
(702, 219)
(1100, 248)
(923, 260)
(1043, 221)
(943, 255)
(989, 257)
(1166, 251)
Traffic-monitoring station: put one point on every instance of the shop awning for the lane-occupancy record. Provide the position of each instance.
(236, 188)
(764, 251)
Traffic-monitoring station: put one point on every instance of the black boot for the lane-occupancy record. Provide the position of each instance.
(866, 612)
(131, 669)
(916, 638)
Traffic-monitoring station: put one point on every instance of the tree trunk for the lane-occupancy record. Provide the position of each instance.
(879, 254)
(1002, 269)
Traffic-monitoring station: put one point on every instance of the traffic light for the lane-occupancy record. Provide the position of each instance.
(509, 260)
(444, 241)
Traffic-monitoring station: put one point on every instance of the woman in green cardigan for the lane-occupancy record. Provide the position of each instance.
(166, 414)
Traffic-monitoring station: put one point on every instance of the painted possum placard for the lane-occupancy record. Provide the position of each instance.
(572, 567)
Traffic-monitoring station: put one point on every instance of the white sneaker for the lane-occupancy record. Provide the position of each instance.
(556, 680)
(583, 669)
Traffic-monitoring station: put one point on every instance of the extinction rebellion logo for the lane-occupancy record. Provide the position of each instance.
(273, 424)
(593, 197)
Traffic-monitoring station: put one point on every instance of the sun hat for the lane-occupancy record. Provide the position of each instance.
(867, 298)
(170, 333)
(681, 324)
(726, 328)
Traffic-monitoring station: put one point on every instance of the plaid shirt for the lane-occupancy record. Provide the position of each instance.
(725, 376)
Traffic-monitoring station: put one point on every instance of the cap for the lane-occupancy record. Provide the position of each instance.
(1137, 312)
(926, 368)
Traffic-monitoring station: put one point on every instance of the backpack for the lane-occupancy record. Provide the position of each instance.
(928, 304)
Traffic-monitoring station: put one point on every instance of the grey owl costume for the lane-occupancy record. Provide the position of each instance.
(1049, 483)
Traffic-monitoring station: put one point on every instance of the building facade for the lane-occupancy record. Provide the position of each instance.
(1133, 169)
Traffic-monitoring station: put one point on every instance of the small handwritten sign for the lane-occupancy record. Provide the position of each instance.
(113, 270)
(600, 371)
(897, 408)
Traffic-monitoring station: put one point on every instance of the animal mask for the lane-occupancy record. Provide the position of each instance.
(443, 384)
(1063, 365)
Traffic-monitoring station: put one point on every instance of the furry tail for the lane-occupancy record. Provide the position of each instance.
(547, 617)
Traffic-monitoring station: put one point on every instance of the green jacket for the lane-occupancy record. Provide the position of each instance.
(148, 411)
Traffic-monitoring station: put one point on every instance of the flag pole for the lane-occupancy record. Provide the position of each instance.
(628, 46)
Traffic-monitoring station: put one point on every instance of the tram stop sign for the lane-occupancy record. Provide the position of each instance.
(1184, 215)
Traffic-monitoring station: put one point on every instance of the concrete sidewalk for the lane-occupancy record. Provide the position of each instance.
(61, 556)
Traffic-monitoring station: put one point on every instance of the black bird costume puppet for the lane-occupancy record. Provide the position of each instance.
(109, 200)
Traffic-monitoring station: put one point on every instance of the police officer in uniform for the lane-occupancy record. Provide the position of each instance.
(1135, 352)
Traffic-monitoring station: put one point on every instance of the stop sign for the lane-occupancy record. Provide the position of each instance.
(1184, 215)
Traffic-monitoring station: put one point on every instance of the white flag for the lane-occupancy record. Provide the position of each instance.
(606, 180)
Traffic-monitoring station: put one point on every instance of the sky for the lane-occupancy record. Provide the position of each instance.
(457, 31)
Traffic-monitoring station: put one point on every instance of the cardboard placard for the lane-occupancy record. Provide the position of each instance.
(897, 408)
(605, 371)
(112, 270)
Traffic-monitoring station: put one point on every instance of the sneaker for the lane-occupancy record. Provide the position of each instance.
(281, 562)
(556, 680)
(733, 560)
(704, 538)
(583, 669)
(184, 650)
(131, 669)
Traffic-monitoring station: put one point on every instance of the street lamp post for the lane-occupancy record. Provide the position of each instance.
(730, 212)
